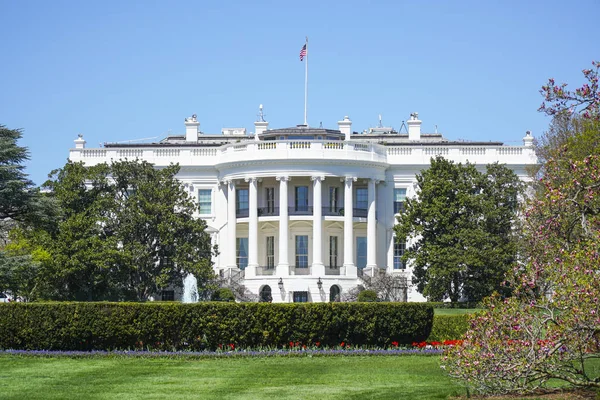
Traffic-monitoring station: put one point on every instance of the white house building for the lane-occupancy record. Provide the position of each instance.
(305, 214)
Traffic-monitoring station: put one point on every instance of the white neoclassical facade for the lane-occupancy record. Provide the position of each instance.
(305, 214)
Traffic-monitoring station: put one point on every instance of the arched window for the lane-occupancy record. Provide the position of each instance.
(265, 294)
(334, 293)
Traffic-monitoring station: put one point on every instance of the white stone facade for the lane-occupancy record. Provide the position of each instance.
(305, 211)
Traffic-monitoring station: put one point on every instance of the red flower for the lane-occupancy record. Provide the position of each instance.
(232, 346)
(395, 344)
(291, 344)
(342, 344)
(317, 344)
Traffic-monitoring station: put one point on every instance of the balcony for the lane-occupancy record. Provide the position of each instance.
(333, 270)
(265, 270)
(268, 211)
(241, 213)
(360, 212)
(300, 210)
(296, 270)
(333, 211)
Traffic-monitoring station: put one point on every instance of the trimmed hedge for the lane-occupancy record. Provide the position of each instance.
(460, 304)
(210, 325)
(449, 327)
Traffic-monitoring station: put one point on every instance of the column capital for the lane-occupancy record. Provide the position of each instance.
(376, 181)
(226, 181)
(283, 178)
(348, 179)
(320, 178)
(250, 178)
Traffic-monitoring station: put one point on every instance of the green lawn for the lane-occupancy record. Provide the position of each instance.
(384, 377)
(455, 311)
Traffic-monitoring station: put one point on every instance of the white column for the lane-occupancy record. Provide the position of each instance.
(252, 228)
(349, 265)
(231, 225)
(318, 269)
(372, 225)
(283, 266)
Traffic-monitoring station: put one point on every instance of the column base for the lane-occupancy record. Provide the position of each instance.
(318, 269)
(351, 270)
(282, 270)
(250, 271)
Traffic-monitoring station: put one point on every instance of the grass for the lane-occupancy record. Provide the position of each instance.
(455, 311)
(383, 377)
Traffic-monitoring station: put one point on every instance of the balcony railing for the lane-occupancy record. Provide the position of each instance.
(268, 211)
(300, 210)
(360, 212)
(332, 270)
(265, 270)
(300, 270)
(241, 213)
(333, 211)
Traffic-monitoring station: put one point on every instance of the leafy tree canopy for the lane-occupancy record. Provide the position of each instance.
(460, 226)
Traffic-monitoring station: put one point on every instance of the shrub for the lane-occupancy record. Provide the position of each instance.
(223, 294)
(176, 326)
(367, 296)
(449, 327)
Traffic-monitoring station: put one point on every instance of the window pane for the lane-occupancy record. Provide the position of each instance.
(333, 251)
(333, 198)
(242, 199)
(361, 252)
(399, 199)
(205, 201)
(270, 200)
(270, 251)
(362, 198)
(301, 251)
(242, 252)
(300, 297)
(398, 252)
(301, 201)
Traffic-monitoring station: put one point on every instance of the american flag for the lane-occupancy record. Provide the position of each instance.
(303, 52)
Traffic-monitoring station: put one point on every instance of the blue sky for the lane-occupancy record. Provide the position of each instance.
(125, 70)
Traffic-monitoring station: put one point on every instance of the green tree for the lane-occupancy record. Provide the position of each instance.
(125, 231)
(460, 224)
(15, 187)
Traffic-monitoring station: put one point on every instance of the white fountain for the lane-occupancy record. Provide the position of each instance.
(190, 289)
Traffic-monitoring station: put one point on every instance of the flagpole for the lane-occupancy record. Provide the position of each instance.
(306, 83)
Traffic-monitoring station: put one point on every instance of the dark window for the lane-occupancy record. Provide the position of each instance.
(301, 251)
(399, 199)
(398, 253)
(242, 253)
(300, 297)
(270, 252)
(333, 251)
(241, 200)
(362, 198)
(270, 200)
(334, 293)
(265, 294)
(301, 200)
(361, 252)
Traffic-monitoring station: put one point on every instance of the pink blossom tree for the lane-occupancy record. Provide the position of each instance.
(550, 327)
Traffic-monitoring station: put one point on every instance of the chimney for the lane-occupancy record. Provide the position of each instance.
(261, 125)
(528, 139)
(191, 129)
(414, 127)
(80, 142)
(345, 126)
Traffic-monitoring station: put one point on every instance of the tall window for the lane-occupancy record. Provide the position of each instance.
(270, 194)
(333, 199)
(270, 252)
(301, 251)
(242, 252)
(301, 200)
(362, 198)
(361, 252)
(334, 293)
(333, 251)
(205, 201)
(241, 199)
(398, 252)
(399, 199)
